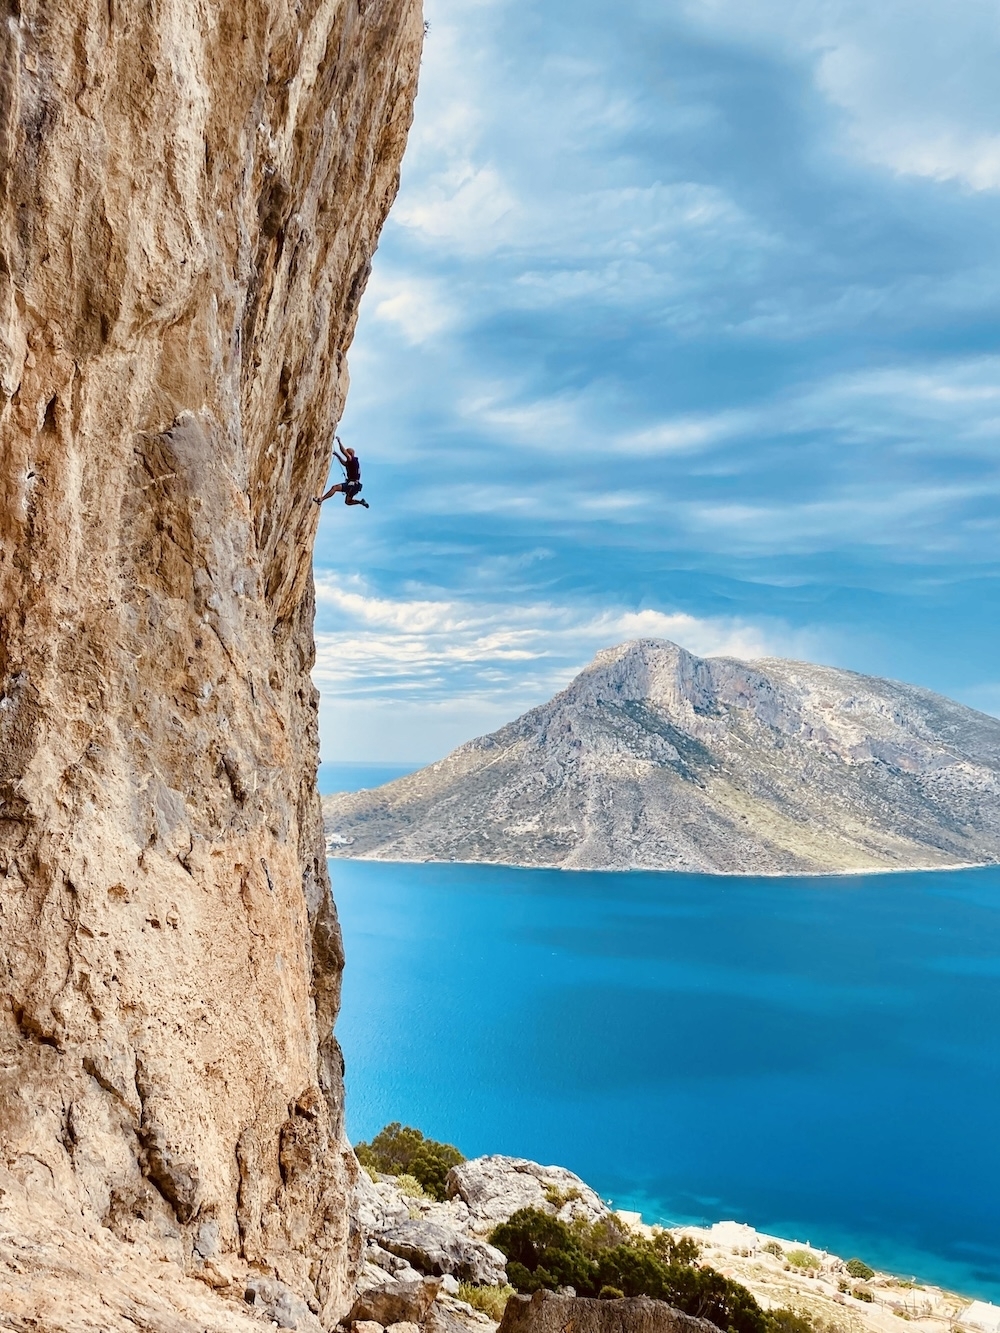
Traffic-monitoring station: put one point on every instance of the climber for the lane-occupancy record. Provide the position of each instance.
(351, 484)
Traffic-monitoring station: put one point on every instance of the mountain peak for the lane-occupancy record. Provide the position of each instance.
(655, 758)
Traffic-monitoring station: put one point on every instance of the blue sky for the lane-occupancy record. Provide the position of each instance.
(685, 323)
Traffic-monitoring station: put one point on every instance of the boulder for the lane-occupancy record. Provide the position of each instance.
(280, 1305)
(545, 1312)
(495, 1187)
(395, 1302)
(457, 1317)
(377, 1205)
(438, 1250)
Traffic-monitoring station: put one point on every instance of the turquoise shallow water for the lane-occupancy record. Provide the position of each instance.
(818, 1057)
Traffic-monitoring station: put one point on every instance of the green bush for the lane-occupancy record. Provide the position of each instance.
(492, 1301)
(802, 1259)
(400, 1150)
(787, 1321)
(610, 1294)
(542, 1251)
(863, 1294)
(858, 1268)
(675, 1249)
(772, 1247)
(410, 1187)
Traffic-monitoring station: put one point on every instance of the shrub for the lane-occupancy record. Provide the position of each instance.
(410, 1187)
(858, 1268)
(787, 1321)
(772, 1247)
(492, 1301)
(802, 1259)
(559, 1198)
(610, 1294)
(542, 1251)
(399, 1150)
(863, 1294)
(676, 1249)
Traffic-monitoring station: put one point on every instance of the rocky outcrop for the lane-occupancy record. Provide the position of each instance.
(493, 1188)
(545, 1312)
(656, 759)
(401, 1301)
(439, 1250)
(190, 195)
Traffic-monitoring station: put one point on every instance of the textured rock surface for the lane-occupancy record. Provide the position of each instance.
(493, 1188)
(546, 1312)
(438, 1250)
(396, 1301)
(653, 758)
(190, 194)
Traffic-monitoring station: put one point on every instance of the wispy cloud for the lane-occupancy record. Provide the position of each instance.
(701, 305)
(914, 78)
(449, 647)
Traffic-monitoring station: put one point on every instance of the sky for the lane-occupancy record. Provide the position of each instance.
(684, 324)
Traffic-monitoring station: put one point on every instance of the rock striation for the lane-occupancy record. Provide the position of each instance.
(656, 759)
(190, 196)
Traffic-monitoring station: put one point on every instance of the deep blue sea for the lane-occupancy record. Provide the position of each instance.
(818, 1057)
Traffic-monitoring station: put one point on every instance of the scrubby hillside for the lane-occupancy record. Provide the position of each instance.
(657, 759)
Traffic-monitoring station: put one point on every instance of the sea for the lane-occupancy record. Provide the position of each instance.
(816, 1056)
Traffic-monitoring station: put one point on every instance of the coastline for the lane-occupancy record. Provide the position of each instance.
(824, 1291)
(332, 855)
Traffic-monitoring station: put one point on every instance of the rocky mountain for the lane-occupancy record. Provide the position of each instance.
(656, 759)
(190, 196)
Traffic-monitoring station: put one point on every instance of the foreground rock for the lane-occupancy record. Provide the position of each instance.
(395, 1302)
(191, 195)
(545, 1312)
(437, 1249)
(656, 759)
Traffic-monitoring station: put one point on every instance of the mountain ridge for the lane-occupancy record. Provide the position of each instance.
(653, 758)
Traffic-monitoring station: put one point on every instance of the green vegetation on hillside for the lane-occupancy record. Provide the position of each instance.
(802, 1259)
(858, 1268)
(492, 1301)
(606, 1258)
(401, 1150)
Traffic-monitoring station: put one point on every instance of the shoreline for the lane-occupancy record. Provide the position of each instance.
(663, 870)
(821, 1286)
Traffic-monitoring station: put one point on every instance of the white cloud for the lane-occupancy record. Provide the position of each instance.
(446, 647)
(414, 305)
(408, 680)
(916, 79)
(466, 206)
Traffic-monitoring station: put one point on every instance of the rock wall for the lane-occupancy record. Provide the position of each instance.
(190, 195)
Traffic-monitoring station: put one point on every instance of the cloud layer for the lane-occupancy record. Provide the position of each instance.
(689, 316)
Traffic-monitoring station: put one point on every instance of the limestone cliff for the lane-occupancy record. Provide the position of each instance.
(655, 759)
(190, 195)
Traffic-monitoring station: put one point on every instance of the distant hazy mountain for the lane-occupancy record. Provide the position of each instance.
(657, 759)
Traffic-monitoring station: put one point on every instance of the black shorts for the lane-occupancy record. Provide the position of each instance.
(351, 488)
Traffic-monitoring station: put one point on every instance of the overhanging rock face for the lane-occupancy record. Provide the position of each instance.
(190, 195)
